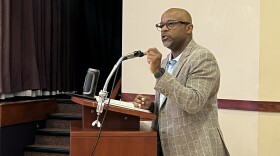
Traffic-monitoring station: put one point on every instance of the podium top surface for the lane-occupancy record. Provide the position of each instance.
(125, 110)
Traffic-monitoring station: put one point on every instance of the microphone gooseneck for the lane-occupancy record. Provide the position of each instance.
(102, 96)
(103, 93)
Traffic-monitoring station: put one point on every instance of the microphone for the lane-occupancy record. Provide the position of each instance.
(103, 93)
(134, 54)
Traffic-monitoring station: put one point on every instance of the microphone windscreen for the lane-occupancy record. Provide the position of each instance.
(90, 82)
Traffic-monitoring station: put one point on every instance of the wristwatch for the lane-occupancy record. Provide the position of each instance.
(159, 73)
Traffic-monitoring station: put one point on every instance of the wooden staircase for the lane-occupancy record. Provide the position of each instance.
(53, 138)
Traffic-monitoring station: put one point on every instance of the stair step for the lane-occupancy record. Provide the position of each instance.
(68, 106)
(62, 120)
(65, 116)
(44, 150)
(54, 123)
(53, 131)
(54, 139)
(53, 136)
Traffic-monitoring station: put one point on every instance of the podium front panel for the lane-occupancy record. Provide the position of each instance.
(116, 143)
(114, 121)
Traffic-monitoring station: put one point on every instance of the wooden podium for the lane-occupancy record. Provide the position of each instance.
(122, 132)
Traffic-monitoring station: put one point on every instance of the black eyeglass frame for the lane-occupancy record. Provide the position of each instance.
(159, 26)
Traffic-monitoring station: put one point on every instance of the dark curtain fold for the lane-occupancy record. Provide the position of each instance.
(104, 33)
(50, 44)
(5, 85)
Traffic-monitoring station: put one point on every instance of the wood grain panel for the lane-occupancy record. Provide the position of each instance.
(112, 143)
(12, 113)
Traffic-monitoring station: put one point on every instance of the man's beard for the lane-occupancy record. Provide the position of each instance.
(167, 43)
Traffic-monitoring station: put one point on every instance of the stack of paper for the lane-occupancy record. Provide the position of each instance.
(128, 105)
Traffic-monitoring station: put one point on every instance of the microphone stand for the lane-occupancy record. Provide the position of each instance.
(103, 93)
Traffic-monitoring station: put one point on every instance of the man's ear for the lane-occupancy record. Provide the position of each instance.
(189, 28)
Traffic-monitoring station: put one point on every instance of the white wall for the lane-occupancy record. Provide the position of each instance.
(240, 130)
(230, 29)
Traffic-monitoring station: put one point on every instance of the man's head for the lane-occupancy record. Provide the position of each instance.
(176, 29)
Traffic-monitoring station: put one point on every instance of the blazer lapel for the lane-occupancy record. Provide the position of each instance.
(183, 58)
(179, 65)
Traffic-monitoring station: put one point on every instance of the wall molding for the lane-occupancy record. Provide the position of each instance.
(261, 106)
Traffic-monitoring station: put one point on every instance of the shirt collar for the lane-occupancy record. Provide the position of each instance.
(176, 59)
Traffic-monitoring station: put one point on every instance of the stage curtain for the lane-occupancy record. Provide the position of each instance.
(48, 45)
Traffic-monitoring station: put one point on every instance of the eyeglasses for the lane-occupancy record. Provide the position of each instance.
(170, 24)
